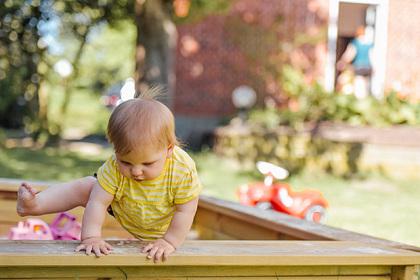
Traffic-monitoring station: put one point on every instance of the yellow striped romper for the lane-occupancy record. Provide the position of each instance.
(146, 208)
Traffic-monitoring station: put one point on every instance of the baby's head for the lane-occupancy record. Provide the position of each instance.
(142, 131)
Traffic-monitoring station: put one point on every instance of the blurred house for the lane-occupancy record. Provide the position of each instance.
(248, 44)
(394, 26)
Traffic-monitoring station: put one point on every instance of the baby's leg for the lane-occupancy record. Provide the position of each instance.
(56, 198)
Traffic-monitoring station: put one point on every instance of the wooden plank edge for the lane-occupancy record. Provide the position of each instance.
(292, 226)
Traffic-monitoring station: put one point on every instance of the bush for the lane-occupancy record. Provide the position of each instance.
(311, 103)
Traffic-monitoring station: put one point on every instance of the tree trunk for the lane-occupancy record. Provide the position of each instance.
(156, 44)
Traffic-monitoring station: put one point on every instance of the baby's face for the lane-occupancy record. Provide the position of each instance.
(143, 165)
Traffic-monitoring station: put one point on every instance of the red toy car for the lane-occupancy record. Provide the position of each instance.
(308, 204)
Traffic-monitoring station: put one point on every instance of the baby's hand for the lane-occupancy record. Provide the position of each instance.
(158, 250)
(95, 244)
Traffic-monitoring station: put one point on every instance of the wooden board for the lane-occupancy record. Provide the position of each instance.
(200, 272)
(52, 253)
(298, 260)
(212, 215)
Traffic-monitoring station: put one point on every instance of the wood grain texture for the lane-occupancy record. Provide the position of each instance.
(163, 272)
(283, 225)
(403, 273)
(253, 253)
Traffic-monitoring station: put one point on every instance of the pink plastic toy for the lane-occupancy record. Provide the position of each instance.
(31, 229)
(65, 227)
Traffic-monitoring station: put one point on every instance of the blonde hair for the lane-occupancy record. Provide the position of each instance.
(360, 31)
(142, 122)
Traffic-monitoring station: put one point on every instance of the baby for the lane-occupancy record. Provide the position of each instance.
(150, 185)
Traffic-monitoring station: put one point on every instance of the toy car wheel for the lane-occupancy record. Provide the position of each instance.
(315, 213)
(264, 205)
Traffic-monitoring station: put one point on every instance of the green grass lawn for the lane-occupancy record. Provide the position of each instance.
(85, 115)
(375, 206)
(48, 163)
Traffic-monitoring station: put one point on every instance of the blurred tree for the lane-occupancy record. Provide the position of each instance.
(78, 19)
(21, 54)
(157, 38)
(24, 60)
(156, 43)
(26, 64)
(108, 57)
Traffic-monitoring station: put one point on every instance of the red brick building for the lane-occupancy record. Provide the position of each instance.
(403, 54)
(248, 44)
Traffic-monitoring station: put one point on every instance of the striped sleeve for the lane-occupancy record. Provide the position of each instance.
(188, 188)
(108, 176)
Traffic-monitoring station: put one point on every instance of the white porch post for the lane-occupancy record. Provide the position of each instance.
(332, 45)
(380, 44)
(380, 49)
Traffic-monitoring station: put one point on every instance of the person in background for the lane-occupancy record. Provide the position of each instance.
(358, 56)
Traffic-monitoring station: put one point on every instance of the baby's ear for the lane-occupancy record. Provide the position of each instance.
(170, 150)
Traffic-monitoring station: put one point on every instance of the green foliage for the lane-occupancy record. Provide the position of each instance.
(294, 150)
(79, 21)
(311, 103)
(108, 57)
(2, 138)
(199, 9)
(86, 114)
(20, 52)
(269, 117)
(25, 64)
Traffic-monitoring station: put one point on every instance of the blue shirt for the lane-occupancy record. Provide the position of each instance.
(361, 60)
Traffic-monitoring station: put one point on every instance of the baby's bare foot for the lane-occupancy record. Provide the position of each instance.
(26, 201)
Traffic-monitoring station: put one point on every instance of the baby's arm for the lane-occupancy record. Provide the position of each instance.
(181, 223)
(176, 233)
(93, 219)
